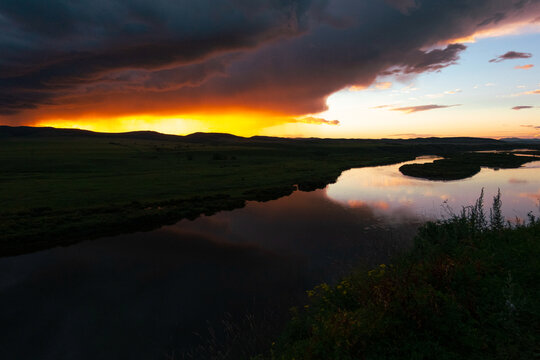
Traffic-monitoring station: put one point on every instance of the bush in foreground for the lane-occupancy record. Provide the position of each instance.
(469, 289)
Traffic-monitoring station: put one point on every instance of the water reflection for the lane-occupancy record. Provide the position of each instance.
(395, 193)
(144, 295)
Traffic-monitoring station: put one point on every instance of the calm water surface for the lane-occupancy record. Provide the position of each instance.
(156, 294)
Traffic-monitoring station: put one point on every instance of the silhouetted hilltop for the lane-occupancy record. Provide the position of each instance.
(201, 137)
(520, 140)
(30, 131)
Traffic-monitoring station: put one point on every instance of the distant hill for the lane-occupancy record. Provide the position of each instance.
(520, 140)
(30, 131)
(201, 137)
(211, 137)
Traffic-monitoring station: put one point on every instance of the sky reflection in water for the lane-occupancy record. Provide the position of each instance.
(390, 193)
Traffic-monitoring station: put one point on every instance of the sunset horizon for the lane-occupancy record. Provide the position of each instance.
(305, 69)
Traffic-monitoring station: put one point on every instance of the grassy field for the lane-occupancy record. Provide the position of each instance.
(468, 290)
(463, 165)
(62, 186)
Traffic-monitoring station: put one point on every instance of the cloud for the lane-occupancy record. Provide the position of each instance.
(517, 181)
(511, 55)
(531, 126)
(440, 95)
(524, 67)
(383, 85)
(66, 59)
(357, 87)
(413, 109)
(317, 121)
(452, 92)
(532, 92)
(522, 107)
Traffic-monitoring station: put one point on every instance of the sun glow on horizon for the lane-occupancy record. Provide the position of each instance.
(471, 98)
(237, 123)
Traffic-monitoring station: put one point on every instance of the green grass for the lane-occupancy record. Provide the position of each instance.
(469, 289)
(58, 190)
(64, 186)
(463, 165)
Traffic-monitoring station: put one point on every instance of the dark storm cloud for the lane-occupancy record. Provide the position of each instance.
(285, 56)
(420, 61)
(55, 45)
(511, 55)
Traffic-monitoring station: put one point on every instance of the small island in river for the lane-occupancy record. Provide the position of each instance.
(462, 166)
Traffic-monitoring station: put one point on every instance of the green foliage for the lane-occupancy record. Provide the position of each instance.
(468, 290)
(495, 215)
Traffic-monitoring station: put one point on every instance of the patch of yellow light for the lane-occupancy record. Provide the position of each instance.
(167, 125)
(237, 123)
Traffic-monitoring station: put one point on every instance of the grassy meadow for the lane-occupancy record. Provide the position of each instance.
(61, 186)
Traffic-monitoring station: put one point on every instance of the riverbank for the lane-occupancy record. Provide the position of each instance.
(62, 186)
(468, 290)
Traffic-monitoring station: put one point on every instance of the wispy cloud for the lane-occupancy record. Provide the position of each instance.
(532, 92)
(511, 55)
(317, 121)
(452, 92)
(357, 88)
(413, 109)
(439, 95)
(531, 126)
(524, 67)
(522, 107)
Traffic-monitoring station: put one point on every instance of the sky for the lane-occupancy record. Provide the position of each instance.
(294, 68)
